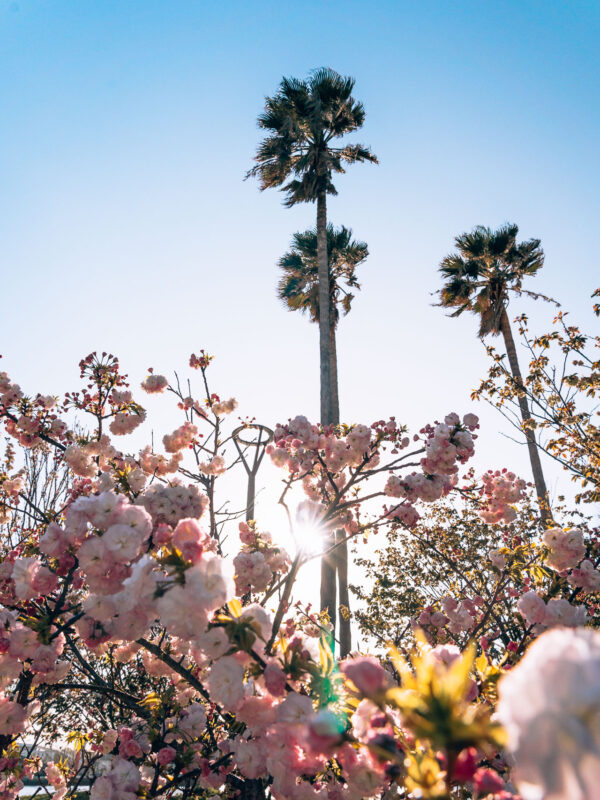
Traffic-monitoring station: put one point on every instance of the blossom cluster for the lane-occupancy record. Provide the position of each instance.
(258, 561)
(501, 489)
(216, 681)
(557, 611)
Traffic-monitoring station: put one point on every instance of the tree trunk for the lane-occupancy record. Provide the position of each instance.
(534, 453)
(324, 311)
(335, 395)
(328, 592)
(344, 601)
(341, 551)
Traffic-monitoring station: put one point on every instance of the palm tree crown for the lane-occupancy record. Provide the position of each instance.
(302, 119)
(489, 264)
(298, 286)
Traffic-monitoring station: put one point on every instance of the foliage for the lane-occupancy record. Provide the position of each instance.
(302, 120)
(458, 579)
(489, 264)
(298, 287)
(122, 634)
(562, 385)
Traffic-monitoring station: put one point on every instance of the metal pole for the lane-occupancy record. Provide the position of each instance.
(251, 465)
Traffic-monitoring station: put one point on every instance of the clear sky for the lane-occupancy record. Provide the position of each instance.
(125, 224)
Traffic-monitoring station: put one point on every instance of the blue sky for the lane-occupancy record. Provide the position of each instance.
(125, 223)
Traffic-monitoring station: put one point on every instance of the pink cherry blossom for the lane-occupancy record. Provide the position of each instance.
(550, 705)
(367, 674)
(155, 384)
(225, 681)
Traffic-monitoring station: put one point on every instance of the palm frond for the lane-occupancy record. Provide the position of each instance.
(487, 267)
(298, 286)
(302, 117)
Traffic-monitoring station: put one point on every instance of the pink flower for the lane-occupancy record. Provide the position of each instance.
(155, 384)
(32, 579)
(44, 659)
(166, 755)
(247, 535)
(224, 406)
(129, 748)
(54, 776)
(501, 489)
(190, 539)
(560, 612)
(367, 674)
(498, 559)
(257, 712)
(169, 504)
(295, 709)
(120, 783)
(192, 720)
(532, 608)
(109, 741)
(123, 543)
(80, 462)
(12, 717)
(23, 642)
(471, 421)
(275, 679)
(465, 765)
(44, 581)
(586, 576)
(180, 438)
(225, 682)
(216, 466)
(566, 548)
(550, 705)
(250, 759)
(252, 572)
(124, 423)
(209, 582)
(214, 643)
(102, 789)
(486, 781)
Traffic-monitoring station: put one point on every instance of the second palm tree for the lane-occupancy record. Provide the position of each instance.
(298, 288)
(478, 278)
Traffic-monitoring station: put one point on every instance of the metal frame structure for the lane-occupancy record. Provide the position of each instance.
(265, 435)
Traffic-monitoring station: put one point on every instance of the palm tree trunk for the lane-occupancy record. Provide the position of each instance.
(335, 395)
(344, 603)
(324, 310)
(534, 453)
(341, 551)
(328, 588)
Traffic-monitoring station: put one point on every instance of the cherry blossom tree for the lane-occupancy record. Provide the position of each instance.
(173, 661)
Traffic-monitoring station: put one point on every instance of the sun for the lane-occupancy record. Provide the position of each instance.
(308, 528)
(302, 532)
(309, 537)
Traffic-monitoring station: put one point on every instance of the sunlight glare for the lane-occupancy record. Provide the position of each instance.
(308, 529)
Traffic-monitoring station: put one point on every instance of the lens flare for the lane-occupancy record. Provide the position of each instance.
(309, 530)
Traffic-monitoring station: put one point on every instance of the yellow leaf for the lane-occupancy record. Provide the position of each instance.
(235, 607)
(481, 664)
(326, 656)
(458, 673)
(151, 700)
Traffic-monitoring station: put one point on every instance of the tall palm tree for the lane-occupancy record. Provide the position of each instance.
(479, 278)
(298, 156)
(298, 288)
